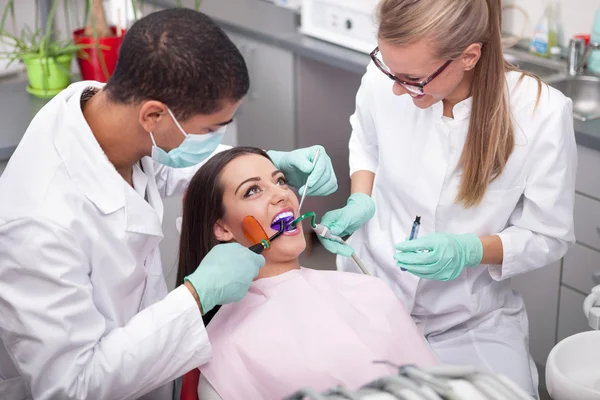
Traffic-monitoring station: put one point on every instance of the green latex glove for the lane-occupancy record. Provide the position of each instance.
(225, 274)
(298, 169)
(441, 256)
(342, 222)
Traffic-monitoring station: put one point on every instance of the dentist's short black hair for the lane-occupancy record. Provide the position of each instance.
(182, 58)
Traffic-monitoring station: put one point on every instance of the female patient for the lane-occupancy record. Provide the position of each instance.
(296, 327)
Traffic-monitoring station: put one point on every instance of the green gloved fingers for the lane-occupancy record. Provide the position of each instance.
(225, 275)
(440, 256)
(342, 222)
(297, 165)
(335, 247)
(359, 209)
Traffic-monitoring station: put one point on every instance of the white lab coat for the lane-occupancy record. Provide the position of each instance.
(84, 308)
(476, 318)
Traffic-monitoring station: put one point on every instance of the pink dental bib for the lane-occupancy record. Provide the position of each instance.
(308, 328)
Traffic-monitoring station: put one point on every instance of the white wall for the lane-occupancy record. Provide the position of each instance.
(574, 16)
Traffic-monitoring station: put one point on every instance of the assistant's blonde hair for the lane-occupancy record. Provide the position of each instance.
(453, 25)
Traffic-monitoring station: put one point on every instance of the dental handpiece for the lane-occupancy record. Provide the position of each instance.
(324, 232)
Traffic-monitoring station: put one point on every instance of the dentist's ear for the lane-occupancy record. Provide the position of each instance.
(222, 233)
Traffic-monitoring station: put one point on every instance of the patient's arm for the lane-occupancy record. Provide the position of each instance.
(206, 391)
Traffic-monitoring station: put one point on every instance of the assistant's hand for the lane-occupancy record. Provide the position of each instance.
(359, 209)
(297, 167)
(441, 256)
(225, 275)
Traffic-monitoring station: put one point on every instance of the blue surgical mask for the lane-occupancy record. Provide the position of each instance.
(192, 151)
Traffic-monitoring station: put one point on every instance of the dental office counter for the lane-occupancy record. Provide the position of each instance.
(302, 93)
(18, 107)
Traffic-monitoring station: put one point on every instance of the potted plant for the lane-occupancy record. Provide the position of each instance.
(98, 58)
(47, 60)
(102, 42)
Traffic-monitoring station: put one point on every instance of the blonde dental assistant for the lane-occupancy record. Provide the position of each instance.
(84, 308)
(485, 154)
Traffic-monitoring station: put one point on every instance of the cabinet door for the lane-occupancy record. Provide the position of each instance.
(587, 221)
(587, 181)
(580, 266)
(571, 319)
(266, 118)
(540, 290)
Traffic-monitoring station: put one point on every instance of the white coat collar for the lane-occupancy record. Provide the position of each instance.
(84, 159)
(461, 110)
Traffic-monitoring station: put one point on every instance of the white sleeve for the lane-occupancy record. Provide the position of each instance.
(174, 181)
(540, 229)
(206, 391)
(363, 146)
(57, 337)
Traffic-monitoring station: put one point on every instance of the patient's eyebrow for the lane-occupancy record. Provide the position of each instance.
(253, 179)
(256, 179)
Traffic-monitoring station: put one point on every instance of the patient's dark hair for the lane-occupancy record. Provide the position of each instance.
(182, 58)
(202, 208)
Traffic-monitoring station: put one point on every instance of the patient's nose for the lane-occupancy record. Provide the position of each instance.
(279, 195)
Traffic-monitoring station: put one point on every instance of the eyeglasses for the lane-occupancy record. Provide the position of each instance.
(413, 87)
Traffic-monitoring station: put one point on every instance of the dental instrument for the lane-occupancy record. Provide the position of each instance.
(306, 185)
(414, 232)
(324, 232)
(436, 382)
(255, 233)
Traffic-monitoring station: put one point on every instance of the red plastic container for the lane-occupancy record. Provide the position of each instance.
(90, 65)
(585, 37)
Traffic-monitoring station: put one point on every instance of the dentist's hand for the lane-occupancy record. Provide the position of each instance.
(440, 256)
(297, 167)
(225, 275)
(359, 209)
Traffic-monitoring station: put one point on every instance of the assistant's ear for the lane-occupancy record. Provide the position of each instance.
(151, 113)
(471, 56)
(222, 232)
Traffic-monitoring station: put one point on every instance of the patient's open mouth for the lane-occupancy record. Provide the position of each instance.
(286, 216)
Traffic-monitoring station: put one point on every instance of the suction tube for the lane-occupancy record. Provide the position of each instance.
(324, 232)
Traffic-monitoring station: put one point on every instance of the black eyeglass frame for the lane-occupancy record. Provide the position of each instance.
(414, 87)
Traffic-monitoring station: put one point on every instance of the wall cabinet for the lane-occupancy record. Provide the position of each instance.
(554, 294)
(540, 290)
(266, 118)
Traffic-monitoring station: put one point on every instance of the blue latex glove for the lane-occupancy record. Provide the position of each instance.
(225, 275)
(297, 167)
(342, 222)
(441, 256)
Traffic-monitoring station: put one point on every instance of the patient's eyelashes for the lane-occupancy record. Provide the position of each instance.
(255, 189)
(252, 190)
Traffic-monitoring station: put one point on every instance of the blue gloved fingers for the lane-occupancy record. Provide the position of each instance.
(322, 180)
(416, 259)
(225, 274)
(335, 247)
(421, 244)
(437, 269)
(333, 221)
